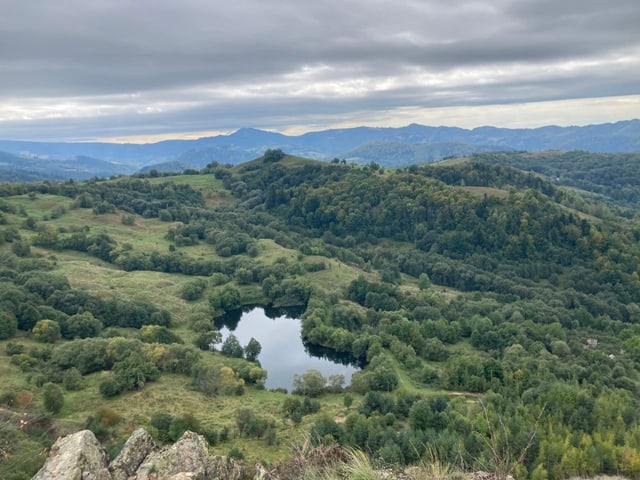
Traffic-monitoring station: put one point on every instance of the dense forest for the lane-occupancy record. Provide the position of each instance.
(612, 178)
(494, 312)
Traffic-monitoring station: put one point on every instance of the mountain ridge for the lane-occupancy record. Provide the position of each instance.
(247, 143)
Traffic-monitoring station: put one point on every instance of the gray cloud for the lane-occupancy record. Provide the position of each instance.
(110, 67)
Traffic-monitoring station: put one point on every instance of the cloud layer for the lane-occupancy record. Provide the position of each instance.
(75, 69)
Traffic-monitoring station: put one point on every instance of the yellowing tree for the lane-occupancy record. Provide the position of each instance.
(47, 331)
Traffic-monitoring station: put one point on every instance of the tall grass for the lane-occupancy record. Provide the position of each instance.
(327, 462)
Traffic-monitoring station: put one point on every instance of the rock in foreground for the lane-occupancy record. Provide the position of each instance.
(76, 457)
(81, 457)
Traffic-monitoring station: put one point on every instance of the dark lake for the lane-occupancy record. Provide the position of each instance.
(283, 353)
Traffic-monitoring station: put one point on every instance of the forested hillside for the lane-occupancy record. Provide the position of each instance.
(495, 313)
(615, 178)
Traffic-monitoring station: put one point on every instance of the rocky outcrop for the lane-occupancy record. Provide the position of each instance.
(81, 457)
(189, 455)
(76, 457)
(134, 452)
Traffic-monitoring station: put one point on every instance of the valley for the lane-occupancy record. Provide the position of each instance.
(494, 311)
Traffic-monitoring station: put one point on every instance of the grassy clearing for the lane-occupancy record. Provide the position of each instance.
(484, 191)
(103, 280)
(39, 205)
(336, 277)
(270, 251)
(451, 161)
(212, 189)
(145, 233)
(252, 295)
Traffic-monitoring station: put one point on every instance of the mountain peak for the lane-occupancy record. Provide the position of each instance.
(253, 132)
(247, 130)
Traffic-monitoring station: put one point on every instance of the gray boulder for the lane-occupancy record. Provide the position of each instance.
(76, 457)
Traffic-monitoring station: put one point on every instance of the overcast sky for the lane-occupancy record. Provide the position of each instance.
(84, 69)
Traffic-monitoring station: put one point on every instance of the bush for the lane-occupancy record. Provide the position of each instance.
(179, 425)
(14, 348)
(217, 380)
(311, 383)
(161, 421)
(326, 430)
(72, 379)
(109, 388)
(47, 331)
(273, 155)
(83, 325)
(21, 248)
(193, 290)
(24, 362)
(8, 398)
(52, 397)
(87, 355)
(205, 340)
(8, 325)
(226, 299)
(102, 423)
(158, 334)
(231, 347)
(235, 453)
(134, 371)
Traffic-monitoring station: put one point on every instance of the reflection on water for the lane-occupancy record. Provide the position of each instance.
(232, 317)
(319, 351)
(283, 353)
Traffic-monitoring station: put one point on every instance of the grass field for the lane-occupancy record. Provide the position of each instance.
(104, 281)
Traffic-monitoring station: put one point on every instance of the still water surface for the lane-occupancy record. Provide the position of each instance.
(283, 353)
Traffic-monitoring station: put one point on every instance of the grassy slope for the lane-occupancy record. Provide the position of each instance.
(171, 393)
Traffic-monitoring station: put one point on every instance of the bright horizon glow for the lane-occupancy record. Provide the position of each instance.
(563, 113)
(160, 137)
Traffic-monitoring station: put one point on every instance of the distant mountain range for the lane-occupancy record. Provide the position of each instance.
(27, 168)
(386, 146)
